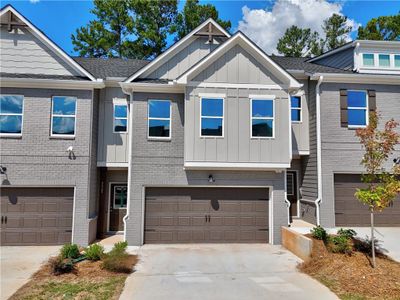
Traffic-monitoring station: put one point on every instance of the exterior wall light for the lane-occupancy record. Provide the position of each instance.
(211, 178)
(3, 170)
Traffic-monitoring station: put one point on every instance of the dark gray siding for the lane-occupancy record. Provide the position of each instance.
(341, 60)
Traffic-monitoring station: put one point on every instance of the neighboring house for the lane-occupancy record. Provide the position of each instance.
(209, 142)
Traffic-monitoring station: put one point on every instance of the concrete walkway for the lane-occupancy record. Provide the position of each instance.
(19, 263)
(226, 271)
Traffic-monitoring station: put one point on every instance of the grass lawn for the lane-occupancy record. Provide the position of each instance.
(88, 281)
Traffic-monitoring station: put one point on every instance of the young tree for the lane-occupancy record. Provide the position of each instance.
(385, 28)
(194, 14)
(335, 29)
(297, 42)
(382, 185)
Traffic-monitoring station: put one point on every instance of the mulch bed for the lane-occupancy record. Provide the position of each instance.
(351, 276)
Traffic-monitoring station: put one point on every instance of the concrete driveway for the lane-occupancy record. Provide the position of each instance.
(18, 263)
(257, 271)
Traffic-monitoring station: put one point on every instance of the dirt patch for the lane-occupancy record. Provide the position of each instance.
(351, 276)
(88, 281)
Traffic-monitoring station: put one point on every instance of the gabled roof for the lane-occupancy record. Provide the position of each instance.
(46, 40)
(175, 47)
(253, 49)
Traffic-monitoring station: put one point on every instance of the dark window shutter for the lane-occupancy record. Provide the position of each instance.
(343, 109)
(371, 100)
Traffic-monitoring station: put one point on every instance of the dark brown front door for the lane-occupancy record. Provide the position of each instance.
(351, 212)
(206, 215)
(36, 216)
(291, 191)
(118, 202)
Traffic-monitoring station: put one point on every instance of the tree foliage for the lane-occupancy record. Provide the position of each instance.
(296, 42)
(336, 29)
(384, 28)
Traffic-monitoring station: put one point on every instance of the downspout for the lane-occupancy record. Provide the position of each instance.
(286, 200)
(319, 163)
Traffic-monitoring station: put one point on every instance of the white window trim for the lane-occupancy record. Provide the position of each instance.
(376, 65)
(262, 118)
(113, 195)
(359, 108)
(213, 97)
(165, 138)
(297, 108)
(14, 114)
(120, 102)
(69, 116)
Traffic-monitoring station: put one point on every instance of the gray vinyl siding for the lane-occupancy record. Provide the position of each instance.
(341, 60)
(184, 59)
(341, 151)
(112, 147)
(300, 130)
(36, 159)
(22, 53)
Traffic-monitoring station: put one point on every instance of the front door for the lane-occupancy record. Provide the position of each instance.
(291, 190)
(118, 203)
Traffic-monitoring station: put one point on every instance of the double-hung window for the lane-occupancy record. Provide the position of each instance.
(11, 114)
(63, 117)
(295, 108)
(212, 117)
(159, 119)
(120, 118)
(262, 118)
(357, 108)
(120, 195)
(368, 60)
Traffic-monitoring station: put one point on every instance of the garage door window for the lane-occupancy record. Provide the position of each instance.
(120, 196)
(11, 107)
(159, 119)
(63, 117)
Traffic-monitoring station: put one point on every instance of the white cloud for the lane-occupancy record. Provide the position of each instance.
(265, 27)
(34, 1)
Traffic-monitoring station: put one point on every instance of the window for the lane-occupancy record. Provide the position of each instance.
(159, 119)
(120, 118)
(262, 118)
(368, 60)
(120, 195)
(357, 106)
(63, 116)
(397, 61)
(212, 117)
(11, 108)
(384, 60)
(295, 105)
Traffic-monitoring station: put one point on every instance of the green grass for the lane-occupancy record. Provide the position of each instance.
(84, 289)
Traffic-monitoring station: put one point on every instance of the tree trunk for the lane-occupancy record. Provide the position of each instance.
(373, 239)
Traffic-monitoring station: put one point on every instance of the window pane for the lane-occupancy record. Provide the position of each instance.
(11, 104)
(159, 128)
(296, 115)
(368, 60)
(384, 60)
(211, 126)
(120, 111)
(295, 102)
(212, 107)
(64, 125)
(120, 196)
(10, 124)
(397, 61)
(159, 109)
(262, 128)
(120, 125)
(64, 105)
(262, 108)
(356, 99)
(357, 117)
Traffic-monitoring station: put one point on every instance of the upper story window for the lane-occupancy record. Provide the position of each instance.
(212, 117)
(384, 60)
(397, 61)
(63, 117)
(357, 108)
(381, 60)
(295, 108)
(11, 114)
(120, 122)
(368, 60)
(262, 118)
(159, 119)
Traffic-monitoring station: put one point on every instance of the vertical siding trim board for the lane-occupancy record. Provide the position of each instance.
(319, 152)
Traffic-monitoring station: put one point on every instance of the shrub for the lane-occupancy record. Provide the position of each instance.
(120, 247)
(94, 252)
(60, 266)
(319, 233)
(117, 260)
(348, 233)
(340, 244)
(69, 251)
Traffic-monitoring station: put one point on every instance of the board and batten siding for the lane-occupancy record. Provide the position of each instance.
(300, 130)
(23, 53)
(112, 146)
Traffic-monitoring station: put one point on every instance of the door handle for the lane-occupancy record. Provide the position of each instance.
(206, 218)
(209, 218)
(2, 219)
(5, 220)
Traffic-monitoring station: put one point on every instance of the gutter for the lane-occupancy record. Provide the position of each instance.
(319, 163)
(53, 83)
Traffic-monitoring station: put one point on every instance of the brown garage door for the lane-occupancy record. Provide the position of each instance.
(206, 215)
(36, 216)
(350, 212)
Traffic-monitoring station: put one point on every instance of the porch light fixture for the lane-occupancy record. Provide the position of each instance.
(3, 170)
(211, 178)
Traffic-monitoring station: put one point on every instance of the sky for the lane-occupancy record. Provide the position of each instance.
(263, 21)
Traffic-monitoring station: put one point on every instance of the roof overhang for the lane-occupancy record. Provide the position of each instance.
(51, 83)
(170, 87)
(357, 78)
